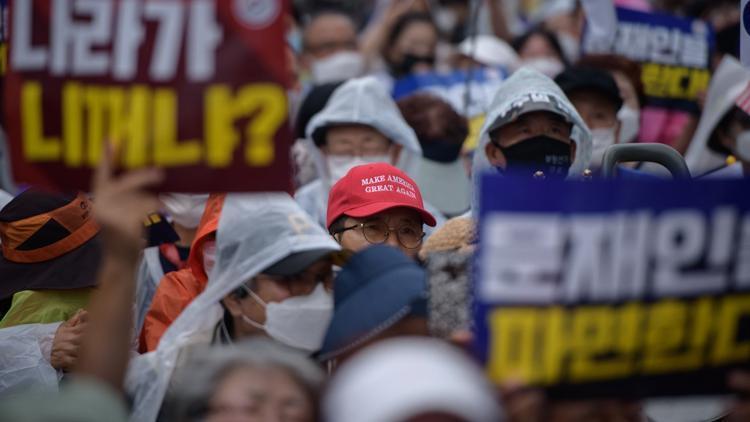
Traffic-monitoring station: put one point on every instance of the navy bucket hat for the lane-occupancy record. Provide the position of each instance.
(377, 288)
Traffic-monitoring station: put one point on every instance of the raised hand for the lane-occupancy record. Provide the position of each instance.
(122, 203)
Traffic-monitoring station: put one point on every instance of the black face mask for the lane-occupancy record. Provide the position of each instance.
(407, 64)
(441, 151)
(540, 153)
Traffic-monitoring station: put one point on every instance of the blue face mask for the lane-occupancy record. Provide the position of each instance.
(540, 153)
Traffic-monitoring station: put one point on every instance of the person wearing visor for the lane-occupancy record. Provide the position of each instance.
(532, 129)
(376, 204)
(288, 301)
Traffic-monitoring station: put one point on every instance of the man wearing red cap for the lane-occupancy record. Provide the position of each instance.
(377, 203)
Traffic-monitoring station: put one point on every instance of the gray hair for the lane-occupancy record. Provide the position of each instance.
(196, 380)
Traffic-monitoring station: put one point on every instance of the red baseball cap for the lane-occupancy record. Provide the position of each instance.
(372, 188)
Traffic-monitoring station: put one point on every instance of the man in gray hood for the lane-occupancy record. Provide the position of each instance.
(360, 124)
(531, 126)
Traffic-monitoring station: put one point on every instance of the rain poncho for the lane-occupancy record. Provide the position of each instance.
(5, 197)
(150, 273)
(178, 288)
(518, 88)
(45, 306)
(255, 231)
(361, 101)
(727, 83)
(25, 358)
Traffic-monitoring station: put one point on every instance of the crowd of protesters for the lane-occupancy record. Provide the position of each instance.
(317, 306)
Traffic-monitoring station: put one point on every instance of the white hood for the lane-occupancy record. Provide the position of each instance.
(522, 84)
(255, 231)
(727, 83)
(365, 101)
(362, 101)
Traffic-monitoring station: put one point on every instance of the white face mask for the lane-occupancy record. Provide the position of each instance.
(630, 124)
(339, 165)
(338, 67)
(186, 210)
(209, 256)
(545, 65)
(601, 140)
(300, 321)
(743, 146)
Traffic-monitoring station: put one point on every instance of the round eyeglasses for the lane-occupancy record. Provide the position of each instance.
(377, 232)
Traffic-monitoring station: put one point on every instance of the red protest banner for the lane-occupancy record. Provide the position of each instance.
(197, 87)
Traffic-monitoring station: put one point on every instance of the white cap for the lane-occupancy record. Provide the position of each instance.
(490, 51)
(398, 379)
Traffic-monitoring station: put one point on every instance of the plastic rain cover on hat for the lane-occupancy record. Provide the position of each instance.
(729, 81)
(255, 231)
(24, 358)
(361, 101)
(528, 85)
(399, 379)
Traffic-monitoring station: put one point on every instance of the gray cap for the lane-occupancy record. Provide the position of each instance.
(529, 104)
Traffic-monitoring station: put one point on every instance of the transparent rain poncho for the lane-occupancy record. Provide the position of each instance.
(25, 358)
(255, 231)
(149, 276)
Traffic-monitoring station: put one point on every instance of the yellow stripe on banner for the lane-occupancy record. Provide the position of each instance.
(546, 346)
(472, 140)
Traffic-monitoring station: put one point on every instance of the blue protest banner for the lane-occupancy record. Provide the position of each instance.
(481, 82)
(613, 288)
(674, 52)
